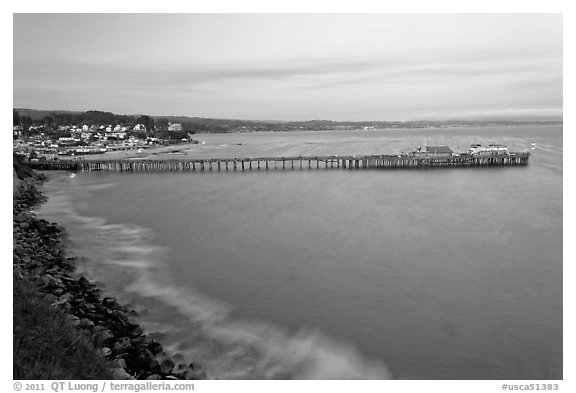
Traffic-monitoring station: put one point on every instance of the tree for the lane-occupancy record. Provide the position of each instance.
(16, 118)
(162, 125)
(148, 123)
(25, 122)
(48, 122)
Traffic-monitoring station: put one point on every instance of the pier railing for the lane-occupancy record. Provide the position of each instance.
(271, 163)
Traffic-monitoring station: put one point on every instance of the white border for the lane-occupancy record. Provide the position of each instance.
(357, 6)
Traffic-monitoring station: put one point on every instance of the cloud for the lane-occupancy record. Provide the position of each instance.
(316, 72)
(412, 82)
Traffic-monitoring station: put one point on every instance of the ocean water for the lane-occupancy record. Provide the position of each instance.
(336, 274)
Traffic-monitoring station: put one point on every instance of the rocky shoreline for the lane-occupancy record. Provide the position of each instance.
(39, 258)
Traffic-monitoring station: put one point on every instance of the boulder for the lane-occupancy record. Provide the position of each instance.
(122, 345)
(85, 324)
(83, 282)
(138, 359)
(166, 366)
(74, 320)
(119, 362)
(180, 370)
(155, 347)
(58, 291)
(50, 299)
(102, 337)
(136, 331)
(154, 366)
(109, 302)
(66, 297)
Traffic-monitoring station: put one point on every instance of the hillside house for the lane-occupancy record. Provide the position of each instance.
(174, 127)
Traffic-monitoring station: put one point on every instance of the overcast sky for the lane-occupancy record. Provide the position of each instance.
(293, 66)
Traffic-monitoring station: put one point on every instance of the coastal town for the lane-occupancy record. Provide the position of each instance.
(41, 143)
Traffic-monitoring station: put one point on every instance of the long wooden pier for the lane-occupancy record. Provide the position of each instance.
(284, 163)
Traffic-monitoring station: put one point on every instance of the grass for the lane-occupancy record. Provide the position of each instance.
(46, 345)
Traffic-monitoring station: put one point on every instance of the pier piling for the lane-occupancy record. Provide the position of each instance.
(344, 162)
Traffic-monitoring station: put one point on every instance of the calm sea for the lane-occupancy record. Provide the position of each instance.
(331, 273)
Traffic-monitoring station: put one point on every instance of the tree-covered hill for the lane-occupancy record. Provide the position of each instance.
(52, 119)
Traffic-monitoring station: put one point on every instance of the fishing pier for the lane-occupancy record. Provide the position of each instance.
(284, 163)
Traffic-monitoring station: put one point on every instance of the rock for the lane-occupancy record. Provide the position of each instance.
(136, 331)
(120, 373)
(74, 320)
(85, 324)
(39, 271)
(120, 362)
(180, 370)
(50, 282)
(155, 347)
(103, 337)
(160, 357)
(122, 345)
(83, 282)
(141, 357)
(119, 316)
(109, 302)
(166, 366)
(50, 299)
(154, 366)
(58, 291)
(24, 225)
(105, 351)
(66, 297)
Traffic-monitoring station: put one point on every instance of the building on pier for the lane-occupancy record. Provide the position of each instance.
(433, 151)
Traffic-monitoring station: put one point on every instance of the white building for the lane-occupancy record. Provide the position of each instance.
(174, 127)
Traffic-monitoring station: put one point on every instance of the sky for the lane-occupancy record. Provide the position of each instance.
(293, 66)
